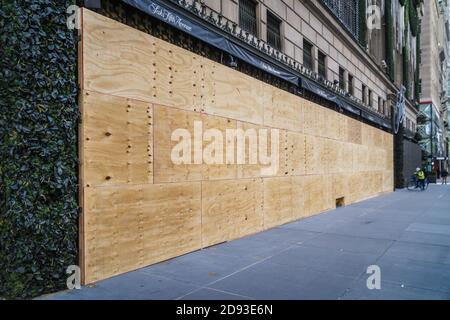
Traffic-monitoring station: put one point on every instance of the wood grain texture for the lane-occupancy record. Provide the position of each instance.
(128, 228)
(167, 120)
(283, 110)
(231, 209)
(234, 95)
(317, 194)
(283, 200)
(117, 140)
(139, 207)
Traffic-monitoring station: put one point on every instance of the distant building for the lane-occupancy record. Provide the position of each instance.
(434, 83)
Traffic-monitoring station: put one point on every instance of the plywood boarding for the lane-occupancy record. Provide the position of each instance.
(317, 194)
(118, 140)
(167, 122)
(231, 209)
(139, 207)
(126, 228)
(282, 109)
(283, 200)
(234, 95)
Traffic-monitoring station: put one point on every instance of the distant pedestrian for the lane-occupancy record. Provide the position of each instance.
(444, 175)
(420, 178)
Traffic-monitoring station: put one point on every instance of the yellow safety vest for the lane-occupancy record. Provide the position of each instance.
(421, 175)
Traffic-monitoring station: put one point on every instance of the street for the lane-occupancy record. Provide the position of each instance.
(405, 233)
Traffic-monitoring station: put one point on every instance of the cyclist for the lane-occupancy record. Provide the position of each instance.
(420, 178)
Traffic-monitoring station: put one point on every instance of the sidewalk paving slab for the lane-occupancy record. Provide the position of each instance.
(407, 234)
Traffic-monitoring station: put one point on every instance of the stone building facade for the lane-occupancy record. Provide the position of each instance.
(324, 24)
(434, 82)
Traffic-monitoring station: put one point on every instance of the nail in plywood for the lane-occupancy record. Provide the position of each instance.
(231, 209)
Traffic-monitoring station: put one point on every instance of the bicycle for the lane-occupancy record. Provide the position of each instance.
(414, 185)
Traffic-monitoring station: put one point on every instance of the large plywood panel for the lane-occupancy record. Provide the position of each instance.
(356, 186)
(310, 118)
(169, 121)
(231, 209)
(117, 140)
(128, 228)
(283, 200)
(316, 155)
(269, 151)
(234, 95)
(317, 194)
(298, 197)
(354, 131)
(295, 153)
(278, 208)
(178, 77)
(117, 59)
(144, 89)
(283, 110)
(122, 61)
(340, 186)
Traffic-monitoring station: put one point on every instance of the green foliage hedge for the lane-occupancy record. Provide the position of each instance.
(38, 147)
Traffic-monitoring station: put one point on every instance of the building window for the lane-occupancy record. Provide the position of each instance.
(380, 105)
(363, 94)
(347, 13)
(351, 88)
(370, 99)
(307, 55)
(341, 78)
(273, 31)
(322, 65)
(384, 107)
(247, 16)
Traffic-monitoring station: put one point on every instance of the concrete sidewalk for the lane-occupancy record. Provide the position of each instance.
(407, 234)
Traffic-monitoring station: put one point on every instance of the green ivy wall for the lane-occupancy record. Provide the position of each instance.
(38, 147)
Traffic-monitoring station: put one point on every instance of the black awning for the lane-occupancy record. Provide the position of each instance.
(330, 96)
(183, 23)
